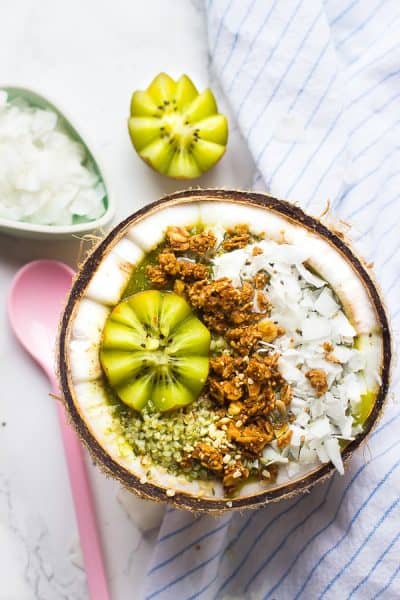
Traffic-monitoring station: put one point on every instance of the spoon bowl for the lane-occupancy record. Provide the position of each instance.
(34, 307)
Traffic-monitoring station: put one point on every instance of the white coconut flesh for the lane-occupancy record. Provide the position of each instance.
(316, 296)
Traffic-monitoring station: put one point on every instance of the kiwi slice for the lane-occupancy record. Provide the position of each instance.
(153, 347)
(175, 129)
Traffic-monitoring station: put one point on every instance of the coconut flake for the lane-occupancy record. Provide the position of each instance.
(270, 455)
(352, 387)
(308, 455)
(297, 436)
(357, 361)
(321, 450)
(326, 304)
(218, 231)
(315, 328)
(342, 354)
(229, 265)
(346, 427)
(43, 178)
(341, 326)
(310, 277)
(293, 468)
(319, 429)
(317, 408)
(291, 373)
(333, 451)
(303, 419)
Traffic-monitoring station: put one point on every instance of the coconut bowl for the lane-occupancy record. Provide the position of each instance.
(99, 285)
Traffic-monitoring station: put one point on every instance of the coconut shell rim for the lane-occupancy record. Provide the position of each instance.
(185, 500)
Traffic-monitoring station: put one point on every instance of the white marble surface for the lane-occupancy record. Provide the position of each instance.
(88, 55)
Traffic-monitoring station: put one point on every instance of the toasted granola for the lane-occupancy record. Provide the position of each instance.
(180, 240)
(244, 382)
(237, 237)
(253, 438)
(318, 380)
(170, 267)
(202, 243)
(234, 474)
(209, 457)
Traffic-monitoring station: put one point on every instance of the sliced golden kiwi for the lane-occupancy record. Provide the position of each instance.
(175, 129)
(154, 348)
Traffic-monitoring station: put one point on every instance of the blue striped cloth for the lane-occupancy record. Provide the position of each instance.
(315, 88)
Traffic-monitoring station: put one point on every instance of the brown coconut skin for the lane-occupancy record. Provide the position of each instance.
(185, 500)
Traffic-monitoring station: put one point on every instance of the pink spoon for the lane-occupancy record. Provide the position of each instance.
(35, 302)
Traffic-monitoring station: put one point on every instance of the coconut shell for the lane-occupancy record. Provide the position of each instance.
(185, 500)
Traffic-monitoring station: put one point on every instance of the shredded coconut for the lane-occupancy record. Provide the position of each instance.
(305, 305)
(43, 174)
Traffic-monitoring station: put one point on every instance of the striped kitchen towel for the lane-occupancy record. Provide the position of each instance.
(315, 88)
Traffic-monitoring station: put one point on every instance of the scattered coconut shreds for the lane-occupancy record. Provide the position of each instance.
(307, 308)
(325, 304)
(43, 178)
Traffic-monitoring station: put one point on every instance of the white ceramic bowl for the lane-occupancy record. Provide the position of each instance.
(32, 230)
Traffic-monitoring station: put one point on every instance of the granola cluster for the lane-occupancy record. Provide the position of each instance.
(237, 237)
(250, 395)
(173, 269)
(318, 379)
(256, 400)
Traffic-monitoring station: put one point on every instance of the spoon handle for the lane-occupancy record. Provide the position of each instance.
(84, 507)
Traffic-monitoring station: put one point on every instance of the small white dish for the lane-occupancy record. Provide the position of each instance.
(33, 230)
